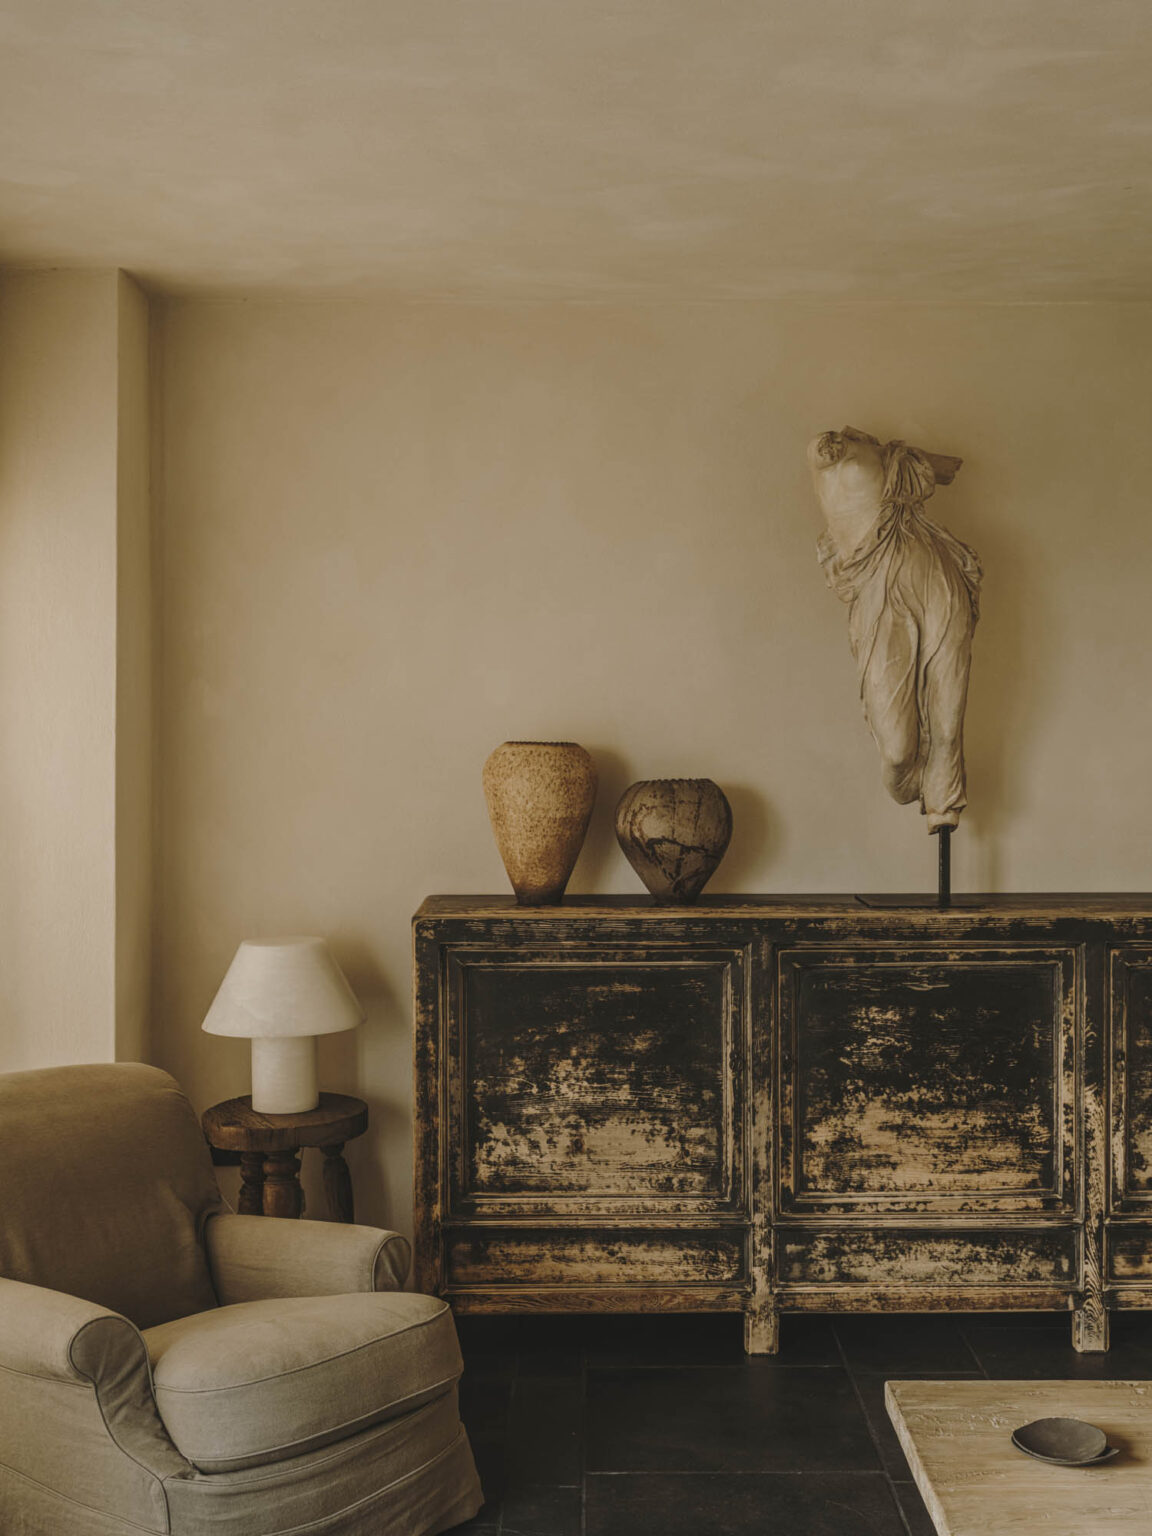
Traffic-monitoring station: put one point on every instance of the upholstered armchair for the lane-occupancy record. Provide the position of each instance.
(168, 1367)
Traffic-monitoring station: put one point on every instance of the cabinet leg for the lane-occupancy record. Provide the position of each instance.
(1090, 1329)
(761, 1330)
(282, 1193)
(337, 1183)
(251, 1202)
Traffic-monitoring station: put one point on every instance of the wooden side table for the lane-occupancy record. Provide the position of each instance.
(269, 1149)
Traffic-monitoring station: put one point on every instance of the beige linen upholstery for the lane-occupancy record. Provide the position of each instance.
(337, 1491)
(258, 1382)
(254, 1258)
(77, 1413)
(94, 1210)
(318, 1401)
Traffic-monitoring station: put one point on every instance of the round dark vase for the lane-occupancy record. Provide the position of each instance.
(674, 832)
(540, 796)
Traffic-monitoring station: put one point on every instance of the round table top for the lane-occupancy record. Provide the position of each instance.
(234, 1126)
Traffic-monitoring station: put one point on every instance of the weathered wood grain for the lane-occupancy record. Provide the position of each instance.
(893, 1295)
(338, 1183)
(282, 1193)
(543, 1257)
(975, 1123)
(235, 1125)
(251, 1201)
(1131, 1020)
(429, 1091)
(957, 1438)
(1036, 905)
(761, 1314)
(615, 1081)
(939, 1259)
(1090, 1320)
(774, 1104)
(268, 1147)
(1129, 1251)
(569, 1298)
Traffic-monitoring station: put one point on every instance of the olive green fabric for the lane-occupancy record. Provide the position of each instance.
(107, 1186)
(266, 1380)
(256, 1258)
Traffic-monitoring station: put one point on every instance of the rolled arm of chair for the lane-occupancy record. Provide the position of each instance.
(258, 1258)
(39, 1327)
(52, 1343)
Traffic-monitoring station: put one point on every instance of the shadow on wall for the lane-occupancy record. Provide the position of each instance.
(339, 1054)
(365, 1158)
(756, 834)
(756, 839)
(340, 1058)
(1010, 679)
(595, 866)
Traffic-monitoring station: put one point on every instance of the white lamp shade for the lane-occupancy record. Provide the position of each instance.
(276, 988)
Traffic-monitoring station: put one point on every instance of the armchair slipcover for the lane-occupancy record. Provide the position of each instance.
(169, 1368)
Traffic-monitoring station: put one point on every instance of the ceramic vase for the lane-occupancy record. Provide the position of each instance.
(540, 796)
(674, 832)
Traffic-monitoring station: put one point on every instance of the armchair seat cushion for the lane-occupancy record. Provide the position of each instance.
(262, 1381)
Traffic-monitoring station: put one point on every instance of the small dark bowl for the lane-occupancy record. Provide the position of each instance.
(1067, 1442)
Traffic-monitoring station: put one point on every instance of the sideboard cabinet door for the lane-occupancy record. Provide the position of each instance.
(596, 1116)
(1129, 1235)
(927, 1119)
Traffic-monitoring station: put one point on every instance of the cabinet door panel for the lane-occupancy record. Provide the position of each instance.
(513, 1257)
(609, 1081)
(1131, 1014)
(1129, 1250)
(911, 1257)
(927, 1079)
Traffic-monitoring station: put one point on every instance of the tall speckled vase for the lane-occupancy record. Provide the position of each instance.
(540, 796)
(674, 832)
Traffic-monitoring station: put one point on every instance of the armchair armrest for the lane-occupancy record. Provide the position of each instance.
(85, 1370)
(258, 1258)
(51, 1334)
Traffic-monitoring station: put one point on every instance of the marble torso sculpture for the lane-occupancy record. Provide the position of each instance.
(913, 600)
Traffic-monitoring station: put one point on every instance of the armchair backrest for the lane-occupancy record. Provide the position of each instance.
(106, 1184)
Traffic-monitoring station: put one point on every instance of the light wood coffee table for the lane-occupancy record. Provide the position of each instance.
(957, 1438)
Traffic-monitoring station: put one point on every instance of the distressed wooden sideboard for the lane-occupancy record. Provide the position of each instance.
(786, 1104)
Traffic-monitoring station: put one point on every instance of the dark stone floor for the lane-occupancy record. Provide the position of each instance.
(618, 1426)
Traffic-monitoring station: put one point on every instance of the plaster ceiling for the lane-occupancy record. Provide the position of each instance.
(707, 149)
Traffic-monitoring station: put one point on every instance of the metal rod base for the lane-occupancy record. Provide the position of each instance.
(944, 882)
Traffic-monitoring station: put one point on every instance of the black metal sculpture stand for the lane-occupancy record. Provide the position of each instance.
(944, 884)
(943, 897)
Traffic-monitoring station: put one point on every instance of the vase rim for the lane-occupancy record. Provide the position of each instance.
(677, 781)
(542, 744)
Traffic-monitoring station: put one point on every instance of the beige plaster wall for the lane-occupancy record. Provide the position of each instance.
(135, 744)
(75, 670)
(394, 537)
(57, 667)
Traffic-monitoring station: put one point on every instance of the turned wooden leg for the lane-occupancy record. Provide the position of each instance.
(761, 1329)
(282, 1193)
(251, 1184)
(337, 1183)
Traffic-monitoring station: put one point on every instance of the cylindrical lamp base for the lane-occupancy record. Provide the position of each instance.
(284, 1074)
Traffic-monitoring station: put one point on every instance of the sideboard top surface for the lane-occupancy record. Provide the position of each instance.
(1088, 904)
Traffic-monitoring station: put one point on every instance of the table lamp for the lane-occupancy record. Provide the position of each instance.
(281, 994)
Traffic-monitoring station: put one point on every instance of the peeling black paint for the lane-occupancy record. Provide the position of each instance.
(770, 1104)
